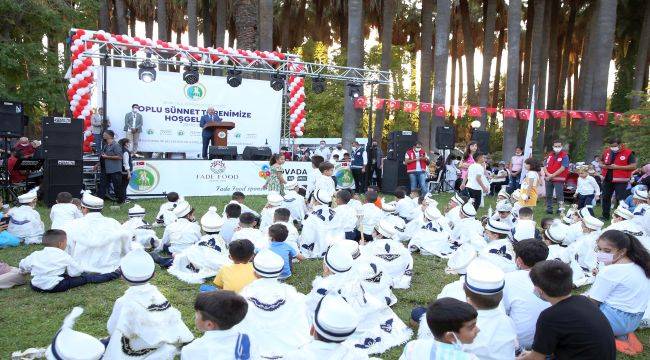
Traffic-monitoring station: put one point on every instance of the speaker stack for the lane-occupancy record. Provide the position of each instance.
(445, 137)
(394, 171)
(222, 152)
(12, 121)
(257, 153)
(62, 144)
(482, 139)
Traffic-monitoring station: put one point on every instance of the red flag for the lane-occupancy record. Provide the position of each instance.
(410, 106)
(490, 110)
(459, 111)
(509, 113)
(360, 102)
(575, 115)
(618, 117)
(541, 114)
(557, 114)
(635, 119)
(425, 107)
(379, 103)
(602, 118)
(524, 114)
(474, 111)
(589, 116)
(440, 110)
(393, 104)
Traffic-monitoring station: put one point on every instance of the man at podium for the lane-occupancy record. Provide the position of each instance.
(211, 116)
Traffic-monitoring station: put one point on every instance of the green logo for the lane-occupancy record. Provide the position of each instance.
(237, 135)
(144, 179)
(149, 131)
(344, 177)
(180, 133)
(194, 92)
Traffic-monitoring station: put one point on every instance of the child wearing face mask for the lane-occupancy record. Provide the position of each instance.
(622, 286)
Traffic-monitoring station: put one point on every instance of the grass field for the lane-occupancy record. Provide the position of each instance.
(29, 319)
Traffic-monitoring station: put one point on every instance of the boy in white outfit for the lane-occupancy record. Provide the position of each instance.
(318, 227)
(345, 218)
(294, 201)
(238, 198)
(25, 222)
(140, 231)
(63, 211)
(246, 230)
(283, 216)
(166, 213)
(370, 215)
(325, 181)
(182, 233)
(273, 201)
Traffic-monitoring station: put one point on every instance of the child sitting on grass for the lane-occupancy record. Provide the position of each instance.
(64, 210)
(166, 213)
(6, 239)
(238, 198)
(278, 234)
(54, 270)
(247, 230)
(236, 276)
(25, 221)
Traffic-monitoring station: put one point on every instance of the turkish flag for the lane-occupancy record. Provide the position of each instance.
(635, 119)
(474, 111)
(425, 107)
(601, 118)
(490, 110)
(618, 117)
(440, 110)
(360, 102)
(393, 104)
(575, 115)
(524, 114)
(589, 116)
(557, 114)
(379, 103)
(459, 110)
(410, 106)
(509, 113)
(541, 114)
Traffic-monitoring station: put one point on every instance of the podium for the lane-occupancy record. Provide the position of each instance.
(220, 132)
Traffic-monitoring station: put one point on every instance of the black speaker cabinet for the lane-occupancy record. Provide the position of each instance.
(12, 121)
(399, 142)
(482, 138)
(393, 175)
(257, 153)
(62, 138)
(222, 152)
(62, 175)
(445, 137)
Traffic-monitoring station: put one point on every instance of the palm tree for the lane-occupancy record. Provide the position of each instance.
(355, 59)
(120, 15)
(192, 22)
(246, 23)
(424, 128)
(441, 57)
(641, 64)
(468, 40)
(266, 24)
(222, 24)
(512, 80)
(104, 20)
(388, 14)
(488, 51)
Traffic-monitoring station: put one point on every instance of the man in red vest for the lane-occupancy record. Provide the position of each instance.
(617, 164)
(416, 160)
(556, 168)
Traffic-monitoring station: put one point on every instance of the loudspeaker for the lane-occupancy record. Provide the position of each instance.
(257, 153)
(222, 152)
(62, 138)
(62, 175)
(445, 137)
(393, 175)
(12, 121)
(399, 142)
(482, 138)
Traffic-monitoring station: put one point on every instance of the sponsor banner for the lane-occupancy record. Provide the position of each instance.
(208, 177)
(171, 110)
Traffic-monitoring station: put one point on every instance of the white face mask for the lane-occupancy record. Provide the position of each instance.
(557, 149)
(322, 146)
(135, 110)
(457, 343)
(614, 148)
(605, 258)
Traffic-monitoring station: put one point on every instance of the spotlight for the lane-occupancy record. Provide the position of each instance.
(354, 90)
(277, 81)
(234, 77)
(475, 124)
(318, 85)
(191, 75)
(147, 71)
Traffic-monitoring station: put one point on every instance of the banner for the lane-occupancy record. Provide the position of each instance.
(208, 177)
(171, 110)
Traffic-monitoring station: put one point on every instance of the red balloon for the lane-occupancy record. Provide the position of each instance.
(87, 123)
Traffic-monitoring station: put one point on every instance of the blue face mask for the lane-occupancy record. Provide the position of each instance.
(458, 345)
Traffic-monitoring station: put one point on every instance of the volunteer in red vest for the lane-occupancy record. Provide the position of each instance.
(416, 160)
(556, 168)
(617, 164)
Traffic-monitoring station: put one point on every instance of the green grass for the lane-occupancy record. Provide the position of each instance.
(30, 319)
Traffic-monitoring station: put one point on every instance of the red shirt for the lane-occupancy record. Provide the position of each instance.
(26, 149)
(14, 175)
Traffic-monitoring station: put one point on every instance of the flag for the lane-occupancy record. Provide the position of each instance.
(490, 110)
(635, 119)
(440, 110)
(541, 114)
(379, 103)
(557, 114)
(523, 114)
(528, 145)
(601, 118)
(509, 113)
(575, 115)
(589, 116)
(393, 104)
(618, 118)
(410, 106)
(360, 102)
(474, 111)
(425, 107)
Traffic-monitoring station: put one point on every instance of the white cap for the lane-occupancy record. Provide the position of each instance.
(323, 196)
(640, 194)
(516, 195)
(89, 201)
(274, 198)
(69, 344)
(623, 212)
(351, 245)
(431, 213)
(468, 209)
(137, 266)
(504, 206)
(484, 278)
(27, 197)
(460, 259)
(211, 222)
(584, 212)
(268, 264)
(503, 193)
(137, 211)
(458, 199)
(592, 223)
(334, 318)
(386, 228)
(389, 207)
(291, 184)
(182, 208)
(557, 232)
(498, 227)
(338, 259)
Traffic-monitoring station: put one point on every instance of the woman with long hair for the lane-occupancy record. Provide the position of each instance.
(275, 181)
(530, 183)
(468, 158)
(622, 287)
(127, 164)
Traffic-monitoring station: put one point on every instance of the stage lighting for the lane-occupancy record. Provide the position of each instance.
(191, 75)
(234, 77)
(147, 71)
(354, 90)
(277, 81)
(318, 85)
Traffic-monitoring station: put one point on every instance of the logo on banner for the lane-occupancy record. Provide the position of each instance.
(265, 171)
(181, 132)
(344, 178)
(217, 166)
(194, 92)
(145, 177)
(149, 131)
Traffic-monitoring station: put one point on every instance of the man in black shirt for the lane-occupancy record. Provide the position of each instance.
(573, 327)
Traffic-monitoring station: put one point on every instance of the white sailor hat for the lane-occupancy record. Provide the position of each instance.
(516, 195)
(557, 232)
(182, 208)
(429, 200)
(431, 212)
(323, 196)
(268, 264)
(27, 197)
(484, 278)
(568, 217)
(338, 259)
(504, 206)
(498, 227)
(351, 245)
(468, 209)
(69, 344)
(592, 223)
(274, 198)
(137, 266)
(389, 207)
(211, 222)
(386, 228)
(503, 193)
(137, 211)
(458, 199)
(623, 212)
(640, 194)
(335, 319)
(460, 259)
(89, 201)
(584, 212)
(291, 184)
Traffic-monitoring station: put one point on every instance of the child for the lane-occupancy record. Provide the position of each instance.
(498, 249)
(6, 239)
(183, 232)
(231, 222)
(63, 211)
(26, 222)
(345, 218)
(246, 230)
(582, 252)
(453, 324)
(483, 287)
(525, 227)
(395, 260)
(166, 213)
(390, 214)
(503, 194)
(236, 276)
(546, 222)
(238, 198)
(587, 189)
(277, 314)
(432, 237)
(216, 313)
(504, 213)
(317, 228)
(273, 201)
(69, 344)
(554, 238)
(404, 205)
(140, 231)
(324, 181)
(294, 201)
(283, 216)
(452, 211)
(316, 160)
(143, 322)
(370, 215)
(54, 270)
(467, 226)
(278, 234)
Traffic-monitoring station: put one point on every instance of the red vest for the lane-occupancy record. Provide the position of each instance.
(410, 154)
(622, 158)
(554, 163)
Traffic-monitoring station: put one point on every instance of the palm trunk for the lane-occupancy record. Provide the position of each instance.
(469, 50)
(554, 81)
(161, 19)
(207, 23)
(131, 23)
(148, 27)
(222, 24)
(497, 75)
(488, 53)
(443, 20)
(454, 50)
(192, 22)
(246, 24)
(120, 16)
(564, 69)
(541, 94)
(104, 20)
(512, 78)
(426, 39)
(530, 15)
(388, 13)
(641, 64)
(351, 115)
(461, 75)
(266, 24)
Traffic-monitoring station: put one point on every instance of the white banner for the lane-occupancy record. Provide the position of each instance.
(171, 110)
(208, 177)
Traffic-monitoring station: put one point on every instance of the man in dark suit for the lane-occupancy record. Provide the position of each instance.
(211, 116)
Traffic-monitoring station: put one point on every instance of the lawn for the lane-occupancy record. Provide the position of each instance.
(30, 320)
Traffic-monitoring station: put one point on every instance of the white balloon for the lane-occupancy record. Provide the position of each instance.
(83, 91)
(87, 73)
(74, 80)
(78, 42)
(76, 96)
(73, 104)
(299, 133)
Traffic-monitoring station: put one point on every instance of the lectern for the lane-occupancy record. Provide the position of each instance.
(220, 134)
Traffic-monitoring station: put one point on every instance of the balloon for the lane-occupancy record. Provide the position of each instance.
(78, 42)
(76, 97)
(74, 80)
(87, 73)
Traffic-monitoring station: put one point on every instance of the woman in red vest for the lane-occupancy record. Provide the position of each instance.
(556, 168)
(416, 160)
(617, 164)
